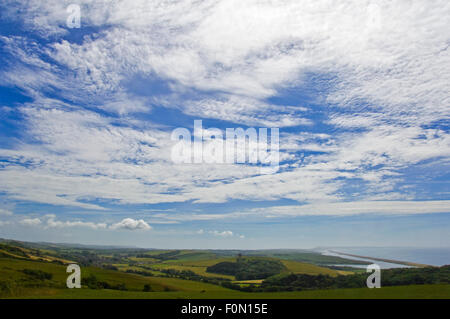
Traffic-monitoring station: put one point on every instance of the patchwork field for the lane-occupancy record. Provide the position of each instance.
(39, 271)
(200, 266)
(310, 269)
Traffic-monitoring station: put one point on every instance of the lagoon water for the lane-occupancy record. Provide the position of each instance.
(429, 256)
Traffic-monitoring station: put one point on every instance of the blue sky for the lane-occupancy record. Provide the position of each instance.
(359, 91)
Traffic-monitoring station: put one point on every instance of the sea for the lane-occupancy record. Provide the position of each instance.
(428, 256)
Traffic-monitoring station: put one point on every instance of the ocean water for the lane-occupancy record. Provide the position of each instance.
(428, 256)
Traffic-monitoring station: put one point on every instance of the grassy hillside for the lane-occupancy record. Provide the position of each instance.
(39, 271)
(12, 275)
(401, 292)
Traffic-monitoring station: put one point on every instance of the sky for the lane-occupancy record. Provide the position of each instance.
(358, 89)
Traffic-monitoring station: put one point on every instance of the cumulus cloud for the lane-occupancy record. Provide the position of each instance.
(131, 224)
(50, 221)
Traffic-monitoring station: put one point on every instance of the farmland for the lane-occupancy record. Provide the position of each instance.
(30, 270)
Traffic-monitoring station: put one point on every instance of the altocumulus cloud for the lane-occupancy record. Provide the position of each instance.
(384, 88)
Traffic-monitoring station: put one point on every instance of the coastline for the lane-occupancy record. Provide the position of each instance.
(392, 261)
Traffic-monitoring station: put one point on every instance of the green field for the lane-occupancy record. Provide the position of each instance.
(39, 271)
(310, 269)
(401, 292)
(10, 270)
(199, 267)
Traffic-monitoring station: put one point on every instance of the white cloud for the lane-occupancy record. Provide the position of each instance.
(247, 111)
(50, 221)
(252, 49)
(248, 51)
(5, 212)
(53, 223)
(31, 222)
(131, 224)
(357, 207)
(225, 233)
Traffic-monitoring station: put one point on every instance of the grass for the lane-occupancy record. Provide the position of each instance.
(192, 255)
(203, 262)
(400, 292)
(10, 269)
(308, 269)
(199, 270)
(199, 267)
(25, 253)
(17, 284)
(306, 257)
(195, 265)
(143, 260)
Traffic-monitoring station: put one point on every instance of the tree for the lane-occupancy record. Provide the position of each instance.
(147, 288)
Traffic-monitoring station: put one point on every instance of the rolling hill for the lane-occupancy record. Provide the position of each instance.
(29, 270)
